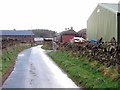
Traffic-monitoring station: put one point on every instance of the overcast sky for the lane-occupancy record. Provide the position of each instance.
(46, 14)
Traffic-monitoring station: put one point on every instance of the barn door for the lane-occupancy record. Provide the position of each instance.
(118, 28)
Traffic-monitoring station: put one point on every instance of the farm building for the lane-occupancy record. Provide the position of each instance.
(104, 22)
(82, 33)
(20, 35)
(38, 40)
(65, 36)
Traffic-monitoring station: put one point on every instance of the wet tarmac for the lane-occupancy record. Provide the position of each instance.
(34, 69)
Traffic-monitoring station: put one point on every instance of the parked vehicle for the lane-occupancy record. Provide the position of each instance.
(78, 40)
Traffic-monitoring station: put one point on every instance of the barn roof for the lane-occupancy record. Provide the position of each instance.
(110, 6)
(69, 32)
(16, 32)
(82, 31)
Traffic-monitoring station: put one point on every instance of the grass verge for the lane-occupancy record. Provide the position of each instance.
(8, 56)
(85, 71)
(46, 47)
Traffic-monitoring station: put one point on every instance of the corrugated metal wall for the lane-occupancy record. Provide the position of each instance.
(102, 23)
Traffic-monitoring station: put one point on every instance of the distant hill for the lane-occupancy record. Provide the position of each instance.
(44, 33)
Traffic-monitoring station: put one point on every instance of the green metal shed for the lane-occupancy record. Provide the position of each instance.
(104, 22)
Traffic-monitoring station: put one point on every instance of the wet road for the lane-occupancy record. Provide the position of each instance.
(34, 69)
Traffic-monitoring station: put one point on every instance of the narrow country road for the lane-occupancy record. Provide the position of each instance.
(34, 69)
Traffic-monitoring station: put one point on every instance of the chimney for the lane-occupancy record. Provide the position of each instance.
(71, 28)
(14, 29)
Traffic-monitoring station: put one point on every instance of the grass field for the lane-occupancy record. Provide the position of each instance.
(86, 72)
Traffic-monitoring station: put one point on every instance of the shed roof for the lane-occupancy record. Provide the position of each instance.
(16, 32)
(112, 7)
